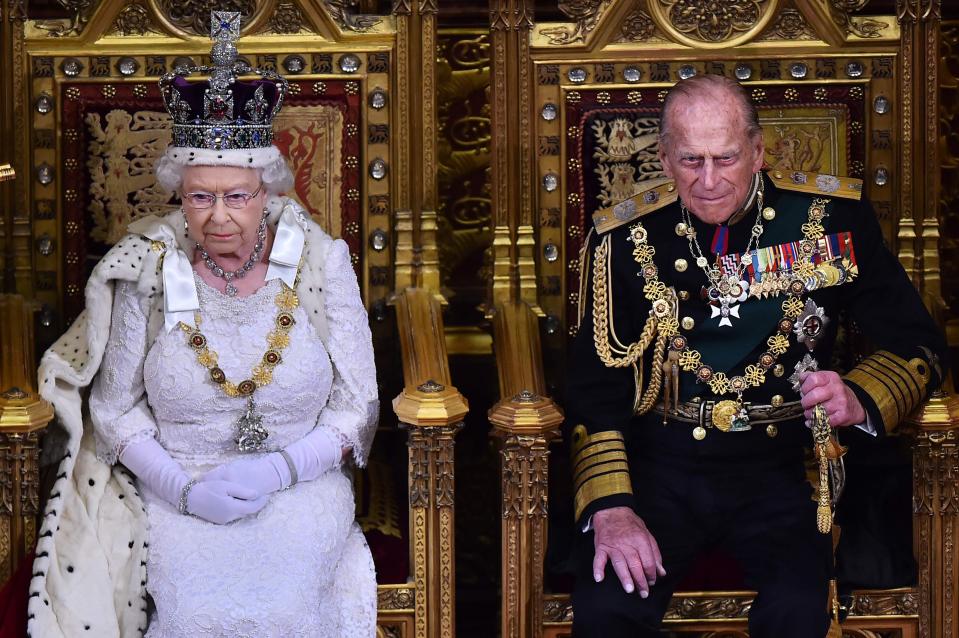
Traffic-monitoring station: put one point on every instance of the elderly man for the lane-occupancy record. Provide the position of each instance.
(711, 311)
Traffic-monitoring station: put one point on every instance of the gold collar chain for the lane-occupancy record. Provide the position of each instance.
(277, 340)
(251, 434)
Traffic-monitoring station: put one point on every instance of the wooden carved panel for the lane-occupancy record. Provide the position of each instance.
(949, 145)
(463, 160)
(700, 22)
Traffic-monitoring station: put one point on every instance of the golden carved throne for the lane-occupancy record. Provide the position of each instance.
(837, 92)
(83, 126)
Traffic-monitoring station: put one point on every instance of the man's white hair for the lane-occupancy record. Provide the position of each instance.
(718, 87)
(274, 171)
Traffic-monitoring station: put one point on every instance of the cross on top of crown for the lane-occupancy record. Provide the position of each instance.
(225, 26)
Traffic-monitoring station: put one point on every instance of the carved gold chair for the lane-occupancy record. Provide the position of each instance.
(837, 92)
(86, 124)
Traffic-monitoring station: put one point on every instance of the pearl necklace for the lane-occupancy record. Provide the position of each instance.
(240, 272)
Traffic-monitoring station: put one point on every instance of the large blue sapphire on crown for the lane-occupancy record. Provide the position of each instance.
(223, 112)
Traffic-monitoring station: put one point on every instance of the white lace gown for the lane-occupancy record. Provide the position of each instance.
(298, 568)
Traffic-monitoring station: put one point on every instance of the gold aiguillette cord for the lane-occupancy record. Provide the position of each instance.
(821, 438)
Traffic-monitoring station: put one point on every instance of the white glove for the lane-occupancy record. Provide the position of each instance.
(156, 469)
(217, 502)
(260, 475)
(313, 455)
(223, 501)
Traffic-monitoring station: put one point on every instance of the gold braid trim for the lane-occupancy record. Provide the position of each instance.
(601, 317)
(583, 276)
(651, 395)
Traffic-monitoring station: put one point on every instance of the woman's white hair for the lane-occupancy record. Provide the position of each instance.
(274, 171)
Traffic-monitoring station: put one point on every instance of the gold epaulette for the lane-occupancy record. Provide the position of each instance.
(817, 183)
(653, 197)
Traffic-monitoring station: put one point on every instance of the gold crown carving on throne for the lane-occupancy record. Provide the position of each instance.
(223, 113)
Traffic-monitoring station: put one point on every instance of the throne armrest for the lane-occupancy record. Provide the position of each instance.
(524, 420)
(432, 410)
(23, 417)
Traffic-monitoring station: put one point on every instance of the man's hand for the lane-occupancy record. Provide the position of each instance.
(827, 387)
(622, 537)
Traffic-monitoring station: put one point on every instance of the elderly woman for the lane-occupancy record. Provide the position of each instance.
(231, 374)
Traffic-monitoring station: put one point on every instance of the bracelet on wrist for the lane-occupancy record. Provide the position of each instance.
(289, 463)
(184, 495)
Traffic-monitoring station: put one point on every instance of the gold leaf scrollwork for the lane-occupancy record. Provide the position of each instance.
(463, 154)
(584, 13)
(419, 452)
(134, 19)
(80, 11)
(714, 22)
(712, 607)
(193, 16)
(444, 466)
(344, 12)
(5, 547)
(637, 27)
(525, 476)
(557, 609)
(395, 598)
(842, 11)
(286, 19)
(789, 25)
(17, 10)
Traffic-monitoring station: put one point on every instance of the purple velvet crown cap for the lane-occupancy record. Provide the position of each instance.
(243, 92)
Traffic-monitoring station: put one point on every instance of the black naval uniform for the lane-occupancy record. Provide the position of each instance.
(742, 491)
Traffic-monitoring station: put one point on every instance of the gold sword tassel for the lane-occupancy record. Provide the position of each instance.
(670, 383)
(821, 433)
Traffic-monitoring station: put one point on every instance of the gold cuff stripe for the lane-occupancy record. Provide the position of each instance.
(911, 369)
(598, 460)
(601, 486)
(880, 395)
(890, 381)
(909, 377)
(608, 435)
(596, 449)
(606, 467)
(905, 383)
(582, 441)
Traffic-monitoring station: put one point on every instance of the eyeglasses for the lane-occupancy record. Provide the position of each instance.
(201, 201)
